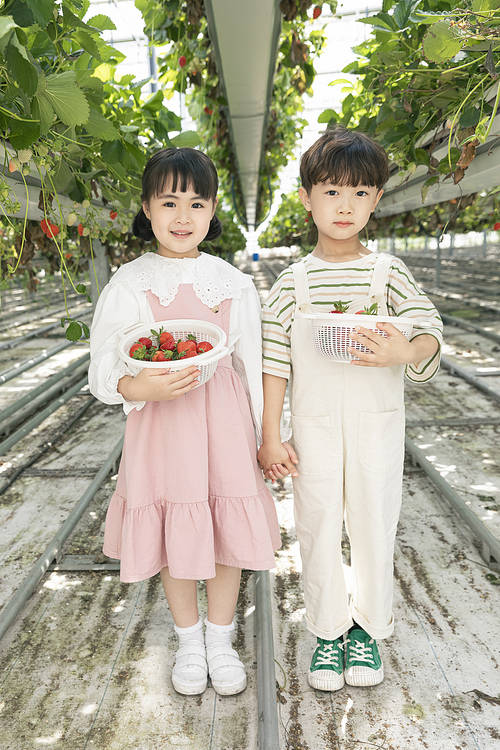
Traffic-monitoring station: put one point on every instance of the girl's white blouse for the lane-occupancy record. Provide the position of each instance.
(123, 302)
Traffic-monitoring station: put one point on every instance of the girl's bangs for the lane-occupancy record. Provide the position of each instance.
(180, 171)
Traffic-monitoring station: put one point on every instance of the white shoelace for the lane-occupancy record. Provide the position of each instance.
(328, 655)
(359, 651)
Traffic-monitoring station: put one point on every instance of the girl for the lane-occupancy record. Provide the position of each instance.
(190, 501)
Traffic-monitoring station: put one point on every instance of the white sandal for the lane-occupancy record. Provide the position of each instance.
(189, 675)
(226, 671)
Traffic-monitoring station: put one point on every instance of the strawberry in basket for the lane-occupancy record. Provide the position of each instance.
(162, 347)
(340, 307)
(369, 309)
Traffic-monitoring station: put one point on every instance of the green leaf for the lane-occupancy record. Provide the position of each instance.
(403, 12)
(381, 20)
(483, 6)
(74, 331)
(81, 288)
(327, 115)
(340, 80)
(101, 22)
(42, 10)
(441, 43)
(189, 138)
(24, 134)
(7, 24)
(88, 43)
(101, 127)
(66, 98)
(21, 13)
(86, 330)
(112, 152)
(43, 111)
(427, 184)
(24, 73)
(63, 177)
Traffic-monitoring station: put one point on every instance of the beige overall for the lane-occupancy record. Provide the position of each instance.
(348, 432)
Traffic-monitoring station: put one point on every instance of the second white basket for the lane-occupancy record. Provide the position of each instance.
(179, 328)
(332, 332)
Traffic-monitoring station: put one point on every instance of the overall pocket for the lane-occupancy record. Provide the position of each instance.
(381, 439)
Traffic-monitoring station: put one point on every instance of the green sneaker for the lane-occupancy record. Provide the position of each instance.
(327, 665)
(363, 665)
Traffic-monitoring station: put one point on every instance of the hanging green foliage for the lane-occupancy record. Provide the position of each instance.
(427, 76)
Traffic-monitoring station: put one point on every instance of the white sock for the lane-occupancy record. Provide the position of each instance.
(191, 633)
(218, 634)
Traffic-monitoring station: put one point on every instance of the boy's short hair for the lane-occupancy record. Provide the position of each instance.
(344, 157)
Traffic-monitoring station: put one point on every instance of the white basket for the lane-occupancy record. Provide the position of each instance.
(202, 330)
(332, 332)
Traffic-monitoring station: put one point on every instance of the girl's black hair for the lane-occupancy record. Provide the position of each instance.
(184, 166)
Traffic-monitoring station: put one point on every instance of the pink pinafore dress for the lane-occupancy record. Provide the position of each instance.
(189, 492)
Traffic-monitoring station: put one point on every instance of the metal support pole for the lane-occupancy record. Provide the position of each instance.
(485, 243)
(437, 278)
(268, 732)
(102, 272)
(53, 550)
(452, 244)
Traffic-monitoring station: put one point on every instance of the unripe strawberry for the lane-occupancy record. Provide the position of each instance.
(86, 203)
(124, 229)
(13, 167)
(42, 149)
(24, 155)
(71, 219)
(86, 232)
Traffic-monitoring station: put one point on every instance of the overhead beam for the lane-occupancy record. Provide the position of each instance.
(245, 39)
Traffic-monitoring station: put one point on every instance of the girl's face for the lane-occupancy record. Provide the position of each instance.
(179, 220)
(340, 211)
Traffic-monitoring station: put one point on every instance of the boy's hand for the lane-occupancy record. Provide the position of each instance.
(277, 460)
(384, 352)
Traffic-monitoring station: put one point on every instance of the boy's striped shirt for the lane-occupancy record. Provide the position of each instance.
(348, 282)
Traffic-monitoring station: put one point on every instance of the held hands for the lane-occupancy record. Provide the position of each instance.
(158, 385)
(277, 460)
(384, 352)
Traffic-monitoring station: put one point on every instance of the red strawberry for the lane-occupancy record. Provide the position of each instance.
(371, 310)
(186, 346)
(158, 356)
(113, 214)
(137, 351)
(182, 61)
(51, 230)
(317, 11)
(147, 342)
(80, 229)
(340, 307)
(167, 341)
(497, 226)
(208, 111)
(190, 353)
(203, 346)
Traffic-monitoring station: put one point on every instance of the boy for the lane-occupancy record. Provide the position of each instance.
(347, 419)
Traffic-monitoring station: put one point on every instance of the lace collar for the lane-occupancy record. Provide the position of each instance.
(213, 279)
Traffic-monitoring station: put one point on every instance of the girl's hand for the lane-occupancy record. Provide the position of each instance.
(158, 385)
(277, 461)
(384, 352)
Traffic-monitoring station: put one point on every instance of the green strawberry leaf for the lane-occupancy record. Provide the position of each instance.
(73, 331)
(66, 98)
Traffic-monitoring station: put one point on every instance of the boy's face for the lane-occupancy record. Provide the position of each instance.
(340, 211)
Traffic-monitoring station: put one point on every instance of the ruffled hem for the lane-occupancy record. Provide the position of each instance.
(190, 538)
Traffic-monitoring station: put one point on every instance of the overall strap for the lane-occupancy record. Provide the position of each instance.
(380, 276)
(302, 296)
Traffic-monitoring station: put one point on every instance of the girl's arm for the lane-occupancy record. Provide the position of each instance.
(117, 307)
(247, 356)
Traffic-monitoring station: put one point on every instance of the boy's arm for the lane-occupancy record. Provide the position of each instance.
(273, 452)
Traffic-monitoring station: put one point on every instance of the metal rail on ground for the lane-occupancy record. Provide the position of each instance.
(27, 364)
(9, 442)
(452, 320)
(11, 343)
(19, 411)
(490, 545)
(53, 550)
(4, 318)
(471, 379)
(460, 298)
(50, 314)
